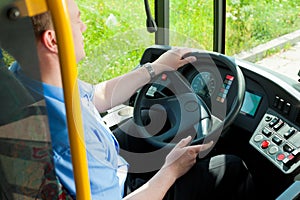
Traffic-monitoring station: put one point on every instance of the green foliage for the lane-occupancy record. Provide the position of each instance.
(250, 23)
(8, 60)
(116, 35)
(191, 23)
(115, 39)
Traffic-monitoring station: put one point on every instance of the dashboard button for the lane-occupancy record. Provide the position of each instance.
(258, 138)
(265, 144)
(277, 140)
(289, 133)
(288, 148)
(280, 104)
(273, 149)
(273, 122)
(296, 152)
(280, 157)
(267, 132)
(289, 160)
(268, 118)
(279, 124)
(287, 108)
(276, 101)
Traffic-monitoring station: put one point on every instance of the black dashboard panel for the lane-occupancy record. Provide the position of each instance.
(277, 91)
(269, 95)
(278, 140)
(276, 132)
(250, 122)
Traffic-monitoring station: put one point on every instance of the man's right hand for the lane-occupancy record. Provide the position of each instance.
(183, 157)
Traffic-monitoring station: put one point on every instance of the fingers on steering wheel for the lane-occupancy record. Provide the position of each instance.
(184, 142)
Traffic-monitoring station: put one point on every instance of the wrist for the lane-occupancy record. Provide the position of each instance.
(169, 171)
(150, 70)
(158, 68)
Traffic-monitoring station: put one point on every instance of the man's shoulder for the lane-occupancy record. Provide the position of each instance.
(85, 88)
(15, 67)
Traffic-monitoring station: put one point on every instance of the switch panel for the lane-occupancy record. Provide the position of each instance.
(279, 141)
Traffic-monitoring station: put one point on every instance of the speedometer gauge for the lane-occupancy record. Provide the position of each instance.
(203, 84)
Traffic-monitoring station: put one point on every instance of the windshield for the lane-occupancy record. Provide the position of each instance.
(264, 32)
(116, 39)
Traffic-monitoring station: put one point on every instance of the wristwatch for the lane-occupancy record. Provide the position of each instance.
(150, 70)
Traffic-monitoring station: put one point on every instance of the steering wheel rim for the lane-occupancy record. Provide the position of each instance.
(186, 99)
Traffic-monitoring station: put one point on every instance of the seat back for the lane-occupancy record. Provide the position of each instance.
(26, 167)
(26, 164)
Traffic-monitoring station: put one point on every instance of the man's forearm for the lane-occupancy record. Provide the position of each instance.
(156, 188)
(118, 90)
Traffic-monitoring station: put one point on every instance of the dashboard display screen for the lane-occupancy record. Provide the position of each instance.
(251, 103)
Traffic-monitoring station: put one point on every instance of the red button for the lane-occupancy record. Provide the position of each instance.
(229, 77)
(164, 77)
(280, 157)
(265, 144)
(291, 157)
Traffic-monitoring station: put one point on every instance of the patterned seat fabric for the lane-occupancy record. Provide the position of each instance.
(26, 167)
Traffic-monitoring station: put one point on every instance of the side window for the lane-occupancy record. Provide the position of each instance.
(115, 38)
(191, 23)
(251, 23)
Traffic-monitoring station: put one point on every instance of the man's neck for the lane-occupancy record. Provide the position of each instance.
(50, 71)
(51, 77)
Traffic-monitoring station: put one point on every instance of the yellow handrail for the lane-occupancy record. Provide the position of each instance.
(60, 15)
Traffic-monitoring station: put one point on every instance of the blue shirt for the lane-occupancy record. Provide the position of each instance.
(104, 161)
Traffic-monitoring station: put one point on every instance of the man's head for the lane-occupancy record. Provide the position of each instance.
(42, 23)
(44, 30)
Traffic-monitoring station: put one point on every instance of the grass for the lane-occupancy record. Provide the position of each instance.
(115, 40)
(273, 51)
(251, 23)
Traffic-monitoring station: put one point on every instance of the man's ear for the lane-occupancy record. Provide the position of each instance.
(49, 40)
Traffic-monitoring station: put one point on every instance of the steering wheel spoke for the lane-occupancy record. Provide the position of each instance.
(167, 102)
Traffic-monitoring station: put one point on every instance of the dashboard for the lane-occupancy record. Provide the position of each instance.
(265, 89)
(276, 132)
(266, 131)
(203, 83)
(270, 111)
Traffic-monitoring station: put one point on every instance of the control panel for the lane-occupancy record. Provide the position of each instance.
(279, 141)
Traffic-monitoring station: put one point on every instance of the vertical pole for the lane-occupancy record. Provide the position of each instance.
(162, 20)
(60, 15)
(219, 26)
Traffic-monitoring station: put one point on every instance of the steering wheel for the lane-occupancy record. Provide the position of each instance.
(164, 118)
